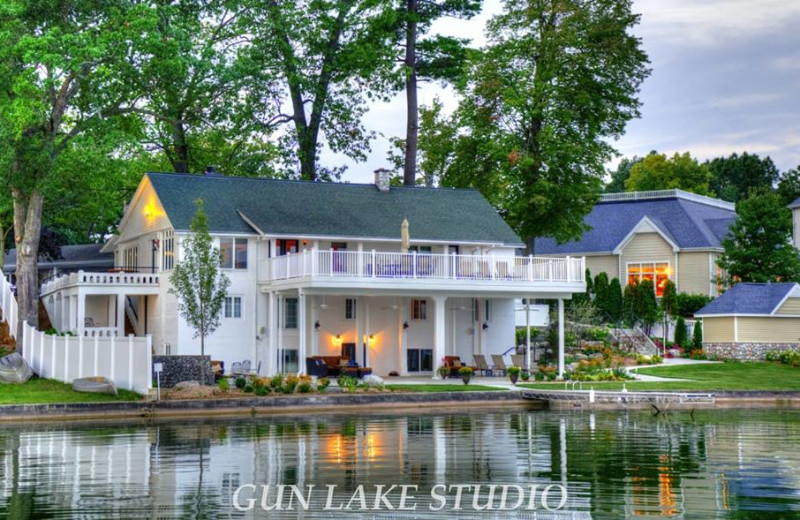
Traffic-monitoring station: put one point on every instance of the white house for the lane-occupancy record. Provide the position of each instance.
(317, 269)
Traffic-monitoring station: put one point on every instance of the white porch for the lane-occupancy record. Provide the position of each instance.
(97, 304)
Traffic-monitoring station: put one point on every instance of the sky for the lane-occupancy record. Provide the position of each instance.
(725, 78)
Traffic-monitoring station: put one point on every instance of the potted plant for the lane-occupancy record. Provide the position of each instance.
(466, 374)
(443, 371)
(513, 374)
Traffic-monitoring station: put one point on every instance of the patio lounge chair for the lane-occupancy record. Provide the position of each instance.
(454, 363)
(246, 367)
(499, 364)
(236, 369)
(482, 366)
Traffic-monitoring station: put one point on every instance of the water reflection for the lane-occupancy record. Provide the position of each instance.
(732, 464)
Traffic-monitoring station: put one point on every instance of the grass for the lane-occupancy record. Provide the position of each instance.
(719, 377)
(40, 391)
(444, 388)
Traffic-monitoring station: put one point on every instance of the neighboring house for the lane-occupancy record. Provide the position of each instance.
(317, 269)
(73, 258)
(750, 319)
(658, 235)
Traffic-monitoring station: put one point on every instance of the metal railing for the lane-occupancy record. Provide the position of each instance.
(382, 265)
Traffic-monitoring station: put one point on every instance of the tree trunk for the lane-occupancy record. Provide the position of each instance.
(412, 109)
(27, 230)
(180, 149)
(202, 358)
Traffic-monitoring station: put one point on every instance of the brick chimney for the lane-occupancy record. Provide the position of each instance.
(382, 176)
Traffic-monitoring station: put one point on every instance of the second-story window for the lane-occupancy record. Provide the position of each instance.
(234, 253)
(167, 250)
(419, 309)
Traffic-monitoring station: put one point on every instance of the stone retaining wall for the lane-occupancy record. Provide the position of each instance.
(182, 368)
(746, 351)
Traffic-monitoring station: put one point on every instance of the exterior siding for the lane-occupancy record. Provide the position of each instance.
(646, 247)
(719, 330)
(769, 330)
(608, 264)
(693, 274)
(790, 306)
(146, 219)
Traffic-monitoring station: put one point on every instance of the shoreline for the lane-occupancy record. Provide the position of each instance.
(352, 403)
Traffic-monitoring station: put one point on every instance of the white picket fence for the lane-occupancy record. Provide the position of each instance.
(126, 361)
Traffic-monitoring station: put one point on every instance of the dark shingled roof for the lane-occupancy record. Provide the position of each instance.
(331, 209)
(748, 298)
(72, 257)
(795, 204)
(688, 223)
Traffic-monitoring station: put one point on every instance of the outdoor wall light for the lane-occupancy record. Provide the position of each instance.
(485, 325)
(316, 325)
(405, 325)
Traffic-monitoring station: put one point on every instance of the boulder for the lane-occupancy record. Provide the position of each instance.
(373, 380)
(185, 385)
(581, 357)
(94, 385)
(14, 369)
(673, 352)
(596, 355)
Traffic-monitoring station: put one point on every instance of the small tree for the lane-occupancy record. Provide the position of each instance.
(601, 294)
(669, 304)
(697, 335)
(646, 305)
(615, 300)
(681, 338)
(629, 297)
(198, 282)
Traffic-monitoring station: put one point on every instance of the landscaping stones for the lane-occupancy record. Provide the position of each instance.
(95, 385)
(373, 380)
(745, 351)
(185, 385)
(14, 369)
(581, 357)
(183, 368)
(596, 355)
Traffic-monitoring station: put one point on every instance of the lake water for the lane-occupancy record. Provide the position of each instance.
(716, 464)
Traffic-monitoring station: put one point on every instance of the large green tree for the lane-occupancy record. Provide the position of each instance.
(60, 78)
(556, 83)
(759, 246)
(733, 177)
(618, 177)
(656, 171)
(789, 185)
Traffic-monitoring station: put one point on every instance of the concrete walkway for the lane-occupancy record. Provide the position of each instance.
(667, 362)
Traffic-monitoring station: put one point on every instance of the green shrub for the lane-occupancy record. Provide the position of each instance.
(786, 357)
(687, 304)
(276, 383)
(290, 384)
(525, 376)
(223, 384)
(697, 335)
(596, 334)
(304, 387)
(248, 389)
(680, 333)
(656, 360)
(347, 383)
(240, 382)
(261, 390)
(323, 383)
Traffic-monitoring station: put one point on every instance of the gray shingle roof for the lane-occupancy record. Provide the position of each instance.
(748, 298)
(795, 204)
(331, 209)
(72, 257)
(688, 223)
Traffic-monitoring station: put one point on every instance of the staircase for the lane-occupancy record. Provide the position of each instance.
(132, 315)
(634, 341)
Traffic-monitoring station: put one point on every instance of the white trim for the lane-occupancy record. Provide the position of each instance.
(735, 329)
(793, 292)
(250, 222)
(417, 241)
(636, 230)
(667, 194)
(744, 315)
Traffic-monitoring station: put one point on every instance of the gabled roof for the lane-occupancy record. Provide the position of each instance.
(72, 257)
(750, 299)
(298, 208)
(690, 221)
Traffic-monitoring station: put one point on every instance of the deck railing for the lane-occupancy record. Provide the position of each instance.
(107, 279)
(381, 265)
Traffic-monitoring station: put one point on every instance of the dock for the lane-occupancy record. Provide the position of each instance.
(658, 401)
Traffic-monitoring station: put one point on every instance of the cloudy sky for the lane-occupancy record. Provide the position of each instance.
(726, 78)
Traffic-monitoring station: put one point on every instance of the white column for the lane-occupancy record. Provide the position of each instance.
(63, 323)
(404, 339)
(528, 334)
(439, 339)
(302, 328)
(279, 328)
(73, 313)
(81, 312)
(314, 350)
(560, 338)
(121, 315)
(272, 322)
(359, 330)
(366, 331)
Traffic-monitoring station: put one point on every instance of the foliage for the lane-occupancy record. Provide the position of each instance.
(686, 304)
(681, 336)
(323, 383)
(521, 335)
(602, 294)
(758, 247)
(347, 383)
(669, 298)
(304, 387)
(657, 172)
(261, 390)
(525, 375)
(614, 300)
(618, 177)
(248, 389)
(223, 384)
(541, 103)
(290, 384)
(697, 335)
(198, 282)
(789, 185)
(786, 357)
(629, 297)
(735, 176)
(656, 360)
(240, 382)
(276, 382)
(646, 305)
(512, 371)
(466, 371)
(39, 391)
(443, 370)
(698, 354)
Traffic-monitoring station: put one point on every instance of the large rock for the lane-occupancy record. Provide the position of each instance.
(185, 385)
(14, 369)
(95, 385)
(373, 380)
(581, 357)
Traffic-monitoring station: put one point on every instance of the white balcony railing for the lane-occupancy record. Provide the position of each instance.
(379, 265)
(100, 279)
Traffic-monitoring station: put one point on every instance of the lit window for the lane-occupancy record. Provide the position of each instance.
(290, 316)
(167, 250)
(657, 272)
(232, 307)
(234, 253)
(419, 309)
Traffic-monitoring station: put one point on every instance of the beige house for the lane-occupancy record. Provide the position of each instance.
(657, 235)
(750, 319)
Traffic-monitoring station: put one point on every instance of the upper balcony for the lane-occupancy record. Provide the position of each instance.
(125, 281)
(381, 270)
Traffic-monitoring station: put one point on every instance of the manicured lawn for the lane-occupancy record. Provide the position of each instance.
(720, 377)
(38, 391)
(444, 388)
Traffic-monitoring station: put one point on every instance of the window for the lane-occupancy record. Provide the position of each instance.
(487, 310)
(290, 361)
(290, 314)
(453, 250)
(234, 253)
(167, 250)
(421, 249)
(285, 247)
(131, 258)
(419, 360)
(419, 309)
(232, 307)
(657, 272)
(350, 309)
